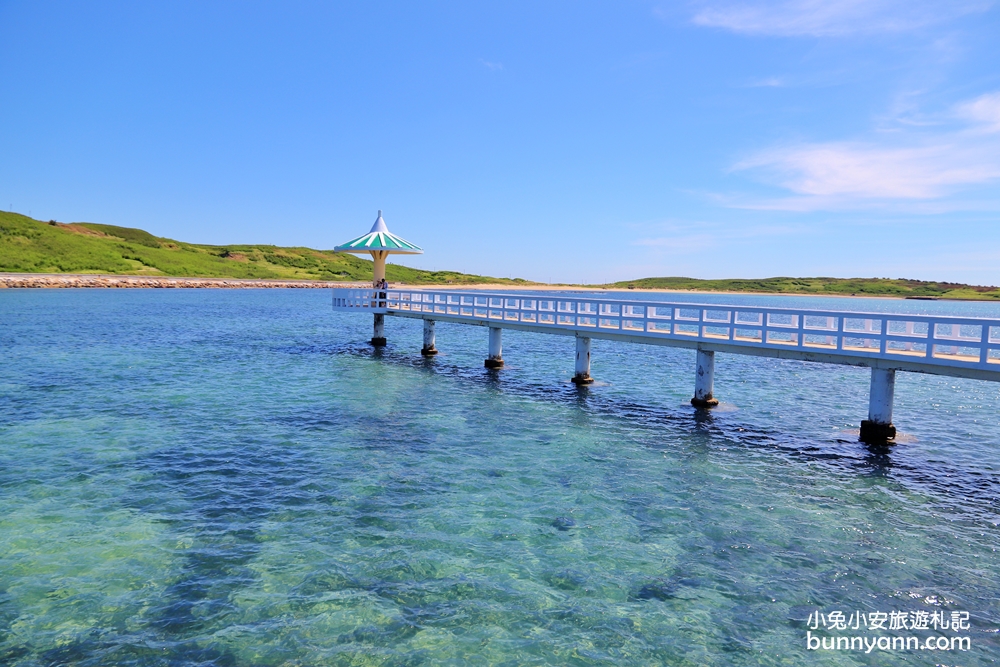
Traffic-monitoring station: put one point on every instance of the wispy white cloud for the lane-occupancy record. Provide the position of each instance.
(872, 171)
(768, 82)
(493, 67)
(681, 242)
(900, 167)
(688, 237)
(984, 110)
(830, 18)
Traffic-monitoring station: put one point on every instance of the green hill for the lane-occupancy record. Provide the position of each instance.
(898, 287)
(32, 246)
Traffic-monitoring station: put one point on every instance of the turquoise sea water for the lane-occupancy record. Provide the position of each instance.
(214, 477)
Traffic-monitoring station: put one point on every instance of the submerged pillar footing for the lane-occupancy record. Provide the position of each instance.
(428, 350)
(878, 428)
(582, 374)
(495, 359)
(873, 433)
(704, 380)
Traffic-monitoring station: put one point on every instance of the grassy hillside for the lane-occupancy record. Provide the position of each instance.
(856, 286)
(32, 246)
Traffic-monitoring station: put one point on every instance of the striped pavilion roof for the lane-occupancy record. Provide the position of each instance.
(380, 238)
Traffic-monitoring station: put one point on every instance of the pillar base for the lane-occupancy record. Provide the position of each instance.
(378, 342)
(429, 351)
(493, 363)
(582, 379)
(704, 402)
(876, 434)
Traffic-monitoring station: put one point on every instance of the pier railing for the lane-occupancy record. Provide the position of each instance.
(960, 342)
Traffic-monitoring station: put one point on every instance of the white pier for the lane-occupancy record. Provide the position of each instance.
(955, 346)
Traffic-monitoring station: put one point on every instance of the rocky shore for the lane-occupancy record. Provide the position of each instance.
(56, 280)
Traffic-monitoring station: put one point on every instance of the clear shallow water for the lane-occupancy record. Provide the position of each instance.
(235, 478)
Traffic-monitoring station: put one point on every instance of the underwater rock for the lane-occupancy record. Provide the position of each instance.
(563, 523)
(661, 589)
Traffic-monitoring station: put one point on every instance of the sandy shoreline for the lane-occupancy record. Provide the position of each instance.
(104, 281)
(107, 281)
(649, 290)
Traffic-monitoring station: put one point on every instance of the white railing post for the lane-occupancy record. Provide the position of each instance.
(428, 350)
(582, 375)
(704, 380)
(495, 360)
(984, 345)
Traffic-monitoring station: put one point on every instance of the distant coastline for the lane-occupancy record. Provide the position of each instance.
(654, 290)
(105, 281)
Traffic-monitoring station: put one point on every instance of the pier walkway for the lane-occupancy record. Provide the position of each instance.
(954, 346)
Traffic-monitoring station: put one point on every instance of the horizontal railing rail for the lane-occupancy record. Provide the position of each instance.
(965, 342)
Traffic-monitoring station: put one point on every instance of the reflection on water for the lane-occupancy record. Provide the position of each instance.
(237, 478)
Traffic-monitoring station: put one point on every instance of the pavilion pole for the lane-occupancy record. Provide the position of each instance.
(378, 266)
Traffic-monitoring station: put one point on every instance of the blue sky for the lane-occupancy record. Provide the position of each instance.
(557, 141)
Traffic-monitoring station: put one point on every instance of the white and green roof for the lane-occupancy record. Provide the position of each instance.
(380, 238)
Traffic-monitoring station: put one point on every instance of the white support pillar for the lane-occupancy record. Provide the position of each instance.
(878, 428)
(378, 337)
(582, 375)
(704, 380)
(495, 360)
(428, 350)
